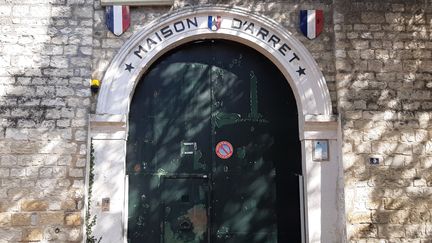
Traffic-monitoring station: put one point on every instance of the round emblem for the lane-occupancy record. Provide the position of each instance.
(224, 150)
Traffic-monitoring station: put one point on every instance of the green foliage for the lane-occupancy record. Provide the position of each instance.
(91, 221)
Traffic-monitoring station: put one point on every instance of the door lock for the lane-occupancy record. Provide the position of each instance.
(185, 225)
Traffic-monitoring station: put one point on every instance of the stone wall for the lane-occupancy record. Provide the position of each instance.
(376, 57)
(45, 65)
(383, 60)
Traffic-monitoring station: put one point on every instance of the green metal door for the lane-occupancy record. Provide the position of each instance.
(213, 149)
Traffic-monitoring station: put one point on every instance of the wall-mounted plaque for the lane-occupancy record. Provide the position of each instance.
(105, 204)
(320, 150)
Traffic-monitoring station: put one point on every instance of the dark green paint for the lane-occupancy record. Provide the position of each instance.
(254, 115)
(179, 190)
(185, 202)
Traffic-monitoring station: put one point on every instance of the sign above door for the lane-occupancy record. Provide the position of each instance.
(185, 25)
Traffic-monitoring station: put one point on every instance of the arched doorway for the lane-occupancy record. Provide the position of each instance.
(213, 150)
(323, 180)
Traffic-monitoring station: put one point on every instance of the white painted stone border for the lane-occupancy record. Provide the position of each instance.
(324, 214)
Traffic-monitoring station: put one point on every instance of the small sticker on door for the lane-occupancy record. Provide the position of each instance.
(224, 150)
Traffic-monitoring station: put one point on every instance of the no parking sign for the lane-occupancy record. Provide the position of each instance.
(224, 150)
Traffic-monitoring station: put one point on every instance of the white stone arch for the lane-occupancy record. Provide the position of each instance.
(117, 86)
(109, 124)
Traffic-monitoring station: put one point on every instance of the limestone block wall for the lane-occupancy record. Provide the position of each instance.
(45, 65)
(383, 55)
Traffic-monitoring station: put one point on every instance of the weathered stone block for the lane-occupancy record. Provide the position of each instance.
(60, 171)
(360, 44)
(81, 61)
(415, 231)
(364, 147)
(59, 62)
(17, 134)
(8, 160)
(75, 234)
(4, 172)
(51, 218)
(5, 10)
(17, 172)
(60, 11)
(79, 123)
(361, 231)
(391, 231)
(81, 162)
(67, 112)
(76, 172)
(86, 50)
(20, 10)
(45, 172)
(367, 54)
(83, 92)
(375, 65)
(343, 65)
(73, 219)
(10, 235)
(40, 11)
(71, 50)
(34, 205)
(69, 205)
(20, 219)
(63, 123)
(64, 91)
(360, 217)
(5, 220)
(396, 203)
(64, 160)
(112, 43)
(32, 234)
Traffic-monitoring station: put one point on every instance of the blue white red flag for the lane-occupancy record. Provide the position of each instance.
(117, 19)
(311, 23)
(214, 22)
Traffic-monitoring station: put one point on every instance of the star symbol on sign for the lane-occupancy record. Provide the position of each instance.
(129, 67)
(301, 71)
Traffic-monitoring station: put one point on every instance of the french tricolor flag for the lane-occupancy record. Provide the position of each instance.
(117, 19)
(311, 23)
(214, 22)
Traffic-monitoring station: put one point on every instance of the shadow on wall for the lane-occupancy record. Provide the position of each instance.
(45, 65)
(384, 59)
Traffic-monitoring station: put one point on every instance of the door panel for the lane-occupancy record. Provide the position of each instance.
(185, 210)
(244, 211)
(193, 98)
(144, 208)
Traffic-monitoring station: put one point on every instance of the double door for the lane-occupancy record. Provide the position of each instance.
(213, 149)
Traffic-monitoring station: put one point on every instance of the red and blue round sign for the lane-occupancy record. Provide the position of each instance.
(224, 150)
